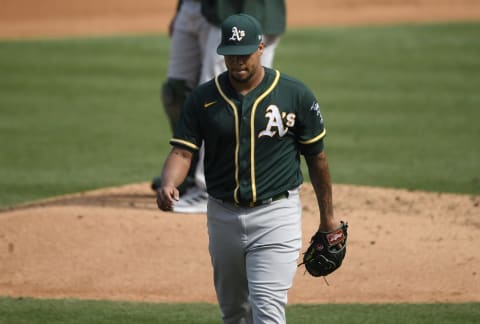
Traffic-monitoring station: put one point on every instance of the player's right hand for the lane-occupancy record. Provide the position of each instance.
(166, 197)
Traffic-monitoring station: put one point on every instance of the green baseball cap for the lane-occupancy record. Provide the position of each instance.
(241, 35)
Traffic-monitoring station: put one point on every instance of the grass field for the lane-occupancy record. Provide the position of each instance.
(105, 312)
(400, 105)
(401, 109)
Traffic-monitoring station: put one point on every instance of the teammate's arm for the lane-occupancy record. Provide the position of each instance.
(174, 172)
(322, 184)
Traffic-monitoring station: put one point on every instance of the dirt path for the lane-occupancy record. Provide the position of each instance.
(114, 243)
(30, 18)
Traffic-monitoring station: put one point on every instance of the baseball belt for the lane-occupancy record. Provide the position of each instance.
(250, 204)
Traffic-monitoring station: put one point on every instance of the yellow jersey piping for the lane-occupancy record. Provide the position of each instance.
(252, 133)
(237, 138)
(315, 139)
(185, 143)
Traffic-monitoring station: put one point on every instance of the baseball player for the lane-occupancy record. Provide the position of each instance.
(195, 32)
(255, 122)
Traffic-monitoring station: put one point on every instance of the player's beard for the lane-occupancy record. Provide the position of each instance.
(245, 79)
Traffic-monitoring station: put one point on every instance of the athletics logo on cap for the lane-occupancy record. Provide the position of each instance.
(237, 35)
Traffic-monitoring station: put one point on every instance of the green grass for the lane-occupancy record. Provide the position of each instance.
(400, 103)
(80, 114)
(71, 311)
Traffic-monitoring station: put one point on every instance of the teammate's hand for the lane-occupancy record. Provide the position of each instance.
(170, 26)
(166, 197)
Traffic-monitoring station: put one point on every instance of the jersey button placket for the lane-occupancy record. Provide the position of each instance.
(244, 160)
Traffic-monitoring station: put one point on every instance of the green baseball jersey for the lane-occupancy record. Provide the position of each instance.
(253, 142)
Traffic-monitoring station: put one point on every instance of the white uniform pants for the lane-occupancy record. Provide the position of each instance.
(254, 253)
(193, 50)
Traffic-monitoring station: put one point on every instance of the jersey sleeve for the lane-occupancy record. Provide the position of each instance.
(187, 131)
(311, 130)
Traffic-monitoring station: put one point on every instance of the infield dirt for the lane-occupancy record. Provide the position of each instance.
(404, 246)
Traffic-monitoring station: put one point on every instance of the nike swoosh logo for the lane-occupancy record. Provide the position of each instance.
(208, 104)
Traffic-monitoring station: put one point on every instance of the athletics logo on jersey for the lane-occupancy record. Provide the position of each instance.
(237, 35)
(275, 120)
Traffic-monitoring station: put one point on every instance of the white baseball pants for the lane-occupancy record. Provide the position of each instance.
(254, 253)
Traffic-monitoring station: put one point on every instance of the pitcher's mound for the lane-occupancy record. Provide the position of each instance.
(115, 244)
